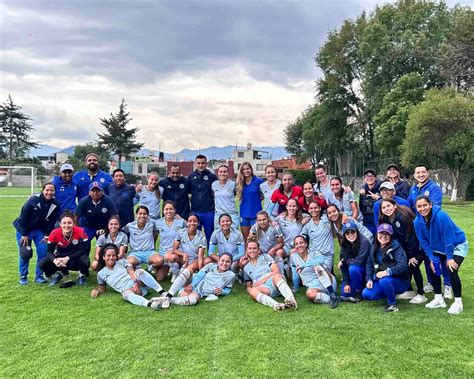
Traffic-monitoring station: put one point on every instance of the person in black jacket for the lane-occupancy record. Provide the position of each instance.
(387, 269)
(355, 249)
(176, 189)
(401, 218)
(37, 218)
(368, 195)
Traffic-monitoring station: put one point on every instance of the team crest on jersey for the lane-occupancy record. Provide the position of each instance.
(75, 242)
(206, 177)
(181, 186)
(28, 247)
(102, 180)
(397, 224)
(104, 210)
(230, 190)
(427, 193)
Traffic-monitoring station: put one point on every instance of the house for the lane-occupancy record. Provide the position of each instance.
(259, 159)
(290, 163)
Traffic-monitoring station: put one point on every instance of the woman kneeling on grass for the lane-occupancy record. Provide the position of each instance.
(121, 276)
(67, 249)
(263, 279)
(269, 237)
(387, 269)
(213, 280)
(320, 283)
(445, 244)
(114, 235)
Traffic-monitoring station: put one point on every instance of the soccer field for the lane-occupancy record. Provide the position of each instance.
(64, 333)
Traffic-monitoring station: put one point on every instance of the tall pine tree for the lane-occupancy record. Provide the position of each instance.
(15, 138)
(117, 139)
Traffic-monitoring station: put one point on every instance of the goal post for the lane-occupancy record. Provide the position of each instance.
(17, 181)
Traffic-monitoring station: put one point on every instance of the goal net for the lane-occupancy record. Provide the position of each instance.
(18, 181)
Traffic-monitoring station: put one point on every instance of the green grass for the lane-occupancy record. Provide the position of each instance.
(62, 332)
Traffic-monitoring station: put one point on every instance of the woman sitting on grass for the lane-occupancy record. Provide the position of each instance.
(121, 276)
(114, 235)
(213, 280)
(320, 283)
(269, 236)
(68, 249)
(263, 279)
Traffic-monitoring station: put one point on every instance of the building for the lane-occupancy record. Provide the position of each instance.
(259, 159)
(290, 163)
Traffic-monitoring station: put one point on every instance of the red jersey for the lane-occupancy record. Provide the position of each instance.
(282, 199)
(61, 246)
(304, 205)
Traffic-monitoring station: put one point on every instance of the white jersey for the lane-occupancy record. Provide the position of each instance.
(209, 278)
(117, 278)
(344, 204)
(258, 271)
(120, 240)
(168, 233)
(319, 236)
(267, 239)
(324, 189)
(267, 192)
(149, 199)
(229, 245)
(307, 273)
(290, 229)
(224, 197)
(191, 246)
(141, 239)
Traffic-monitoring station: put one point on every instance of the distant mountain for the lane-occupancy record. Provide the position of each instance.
(43, 150)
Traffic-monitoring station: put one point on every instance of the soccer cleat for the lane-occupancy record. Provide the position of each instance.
(392, 308)
(448, 292)
(349, 299)
(155, 305)
(419, 299)
(40, 280)
(436, 303)
(427, 288)
(23, 280)
(279, 307)
(150, 268)
(333, 301)
(455, 308)
(55, 279)
(407, 295)
(212, 297)
(163, 301)
(291, 304)
(81, 280)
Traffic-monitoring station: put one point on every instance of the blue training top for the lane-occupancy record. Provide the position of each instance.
(124, 199)
(251, 202)
(65, 194)
(95, 216)
(82, 180)
(430, 189)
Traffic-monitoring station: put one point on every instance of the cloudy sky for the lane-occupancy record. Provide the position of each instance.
(193, 73)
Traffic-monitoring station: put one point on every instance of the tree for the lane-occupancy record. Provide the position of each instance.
(15, 141)
(392, 118)
(440, 131)
(80, 152)
(117, 139)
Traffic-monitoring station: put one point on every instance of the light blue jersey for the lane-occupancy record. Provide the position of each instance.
(233, 245)
(224, 201)
(267, 192)
(307, 272)
(191, 247)
(149, 199)
(324, 189)
(362, 230)
(141, 239)
(262, 268)
(168, 233)
(320, 238)
(117, 278)
(209, 278)
(344, 204)
(267, 238)
(290, 229)
(120, 240)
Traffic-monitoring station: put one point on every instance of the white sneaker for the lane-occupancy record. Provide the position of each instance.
(407, 295)
(419, 299)
(436, 303)
(428, 288)
(455, 308)
(448, 292)
(212, 297)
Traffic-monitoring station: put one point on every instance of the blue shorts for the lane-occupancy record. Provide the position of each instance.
(269, 284)
(247, 221)
(316, 284)
(142, 256)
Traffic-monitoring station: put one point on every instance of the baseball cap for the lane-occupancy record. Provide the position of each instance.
(96, 185)
(392, 165)
(385, 228)
(371, 171)
(65, 167)
(350, 225)
(387, 185)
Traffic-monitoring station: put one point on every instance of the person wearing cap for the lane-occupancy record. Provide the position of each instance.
(34, 224)
(66, 188)
(401, 185)
(368, 195)
(445, 244)
(94, 210)
(123, 195)
(386, 269)
(92, 173)
(355, 249)
(424, 186)
(387, 191)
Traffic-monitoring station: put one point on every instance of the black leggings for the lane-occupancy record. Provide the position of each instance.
(415, 272)
(80, 264)
(453, 275)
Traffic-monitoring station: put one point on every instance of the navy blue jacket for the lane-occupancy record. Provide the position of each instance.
(82, 180)
(430, 189)
(95, 216)
(202, 197)
(402, 188)
(366, 203)
(123, 198)
(399, 200)
(65, 194)
(350, 255)
(37, 214)
(394, 261)
(178, 192)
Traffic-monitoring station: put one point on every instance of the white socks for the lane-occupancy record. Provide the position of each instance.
(266, 300)
(285, 289)
(181, 281)
(184, 300)
(321, 298)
